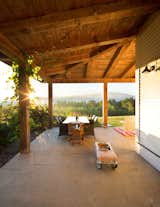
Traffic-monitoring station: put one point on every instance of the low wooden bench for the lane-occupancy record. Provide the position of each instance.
(105, 155)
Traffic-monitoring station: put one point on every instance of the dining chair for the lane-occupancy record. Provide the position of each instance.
(63, 128)
(76, 133)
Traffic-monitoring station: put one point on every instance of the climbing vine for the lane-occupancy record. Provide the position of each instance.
(29, 68)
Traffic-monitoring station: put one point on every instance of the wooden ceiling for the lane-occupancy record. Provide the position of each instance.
(74, 40)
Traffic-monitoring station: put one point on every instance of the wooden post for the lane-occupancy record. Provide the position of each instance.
(50, 99)
(105, 104)
(24, 112)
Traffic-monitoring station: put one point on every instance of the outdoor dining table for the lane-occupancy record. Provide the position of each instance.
(76, 125)
(73, 120)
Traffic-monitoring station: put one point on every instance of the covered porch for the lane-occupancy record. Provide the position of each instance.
(56, 173)
(71, 42)
(81, 42)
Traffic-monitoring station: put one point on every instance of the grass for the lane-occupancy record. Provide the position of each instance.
(115, 121)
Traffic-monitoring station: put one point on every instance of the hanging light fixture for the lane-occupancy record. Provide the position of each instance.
(157, 68)
(152, 68)
(146, 70)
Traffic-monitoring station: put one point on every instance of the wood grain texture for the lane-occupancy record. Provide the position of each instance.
(24, 112)
(93, 80)
(105, 104)
(77, 17)
(50, 105)
(74, 39)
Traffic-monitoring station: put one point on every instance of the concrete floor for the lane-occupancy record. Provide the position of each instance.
(57, 174)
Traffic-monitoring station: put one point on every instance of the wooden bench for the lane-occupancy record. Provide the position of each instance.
(105, 155)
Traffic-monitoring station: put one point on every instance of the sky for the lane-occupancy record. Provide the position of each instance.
(69, 89)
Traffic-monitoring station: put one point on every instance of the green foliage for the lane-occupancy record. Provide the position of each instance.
(9, 122)
(121, 108)
(28, 68)
(115, 108)
(39, 118)
(9, 116)
(63, 108)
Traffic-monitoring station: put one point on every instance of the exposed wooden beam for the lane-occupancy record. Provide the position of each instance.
(76, 66)
(79, 17)
(130, 67)
(52, 70)
(93, 80)
(49, 64)
(100, 54)
(108, 41)
(109, 49)
(85, 70)
(24, 112)
(9, 49)
(105, 104)
(43, 75)
(114, 60)
(50, 104)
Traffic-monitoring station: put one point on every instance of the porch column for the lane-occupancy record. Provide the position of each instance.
(50, 100)
(24, 112)
(105, 104)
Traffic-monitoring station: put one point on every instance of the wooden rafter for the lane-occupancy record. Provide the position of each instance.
(49, 65)
(100, 54)
(79, 17)
(83, 61)
(92, 80)
(114, 60)
(108, 41)
(74, 67)
(44, 76)
(130, 67)
(104, 52)
(85, 70)
(9, 49)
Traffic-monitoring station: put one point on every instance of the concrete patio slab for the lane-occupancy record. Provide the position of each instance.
(58, 174)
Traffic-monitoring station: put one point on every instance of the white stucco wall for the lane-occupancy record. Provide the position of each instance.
(148, 94)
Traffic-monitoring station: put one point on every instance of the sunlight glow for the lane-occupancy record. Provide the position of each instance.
(31, 96)
(59, 90)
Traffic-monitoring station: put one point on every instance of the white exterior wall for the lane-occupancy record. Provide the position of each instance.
(148, 93)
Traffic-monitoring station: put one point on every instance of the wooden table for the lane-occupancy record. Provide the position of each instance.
(76, 126)
(72, 120)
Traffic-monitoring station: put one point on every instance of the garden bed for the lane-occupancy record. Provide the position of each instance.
(10, 150)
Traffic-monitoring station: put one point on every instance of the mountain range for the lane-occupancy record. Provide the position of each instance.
(88, 97)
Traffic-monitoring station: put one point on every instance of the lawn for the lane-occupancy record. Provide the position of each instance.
(114, 120)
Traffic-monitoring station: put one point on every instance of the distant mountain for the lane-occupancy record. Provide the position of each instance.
(95, 97)
(119, 96)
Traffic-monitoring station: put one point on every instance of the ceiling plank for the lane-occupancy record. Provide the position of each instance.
(109, 66)
(49, 71)
(114, 60)
(85, 70)
(79, 17)
(119, 39)
(92, 80)
(109, 49)
(53, 71)
(42, 74)
(130, 67)
(49, 65)
(9, 49)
